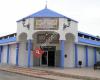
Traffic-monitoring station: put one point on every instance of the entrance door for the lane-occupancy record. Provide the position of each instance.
(44, 59)
(51, 58)
(48, 58)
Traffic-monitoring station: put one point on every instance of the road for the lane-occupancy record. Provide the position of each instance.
(12, 76)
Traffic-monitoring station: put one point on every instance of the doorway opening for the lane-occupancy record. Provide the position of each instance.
(44, 60)
(48, 58)
(51, 58)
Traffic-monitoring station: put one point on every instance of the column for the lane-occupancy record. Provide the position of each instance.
(76, 56)
(95, 55)
(86, 51)
(17, 52)
(29, 52)
(0, 53)
(62, 47)
(7, 54)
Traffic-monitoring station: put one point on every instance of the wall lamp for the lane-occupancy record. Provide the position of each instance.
(26, 25)
(67, 25)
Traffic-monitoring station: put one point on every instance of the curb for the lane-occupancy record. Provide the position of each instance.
(73, 76)
(27, 74)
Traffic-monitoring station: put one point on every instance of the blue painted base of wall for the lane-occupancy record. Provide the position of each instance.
(76, 56)
(17, 52)
(62, 47)
(29, 52)
(7, 54)
(86, 50)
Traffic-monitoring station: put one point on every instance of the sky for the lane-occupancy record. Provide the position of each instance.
(86, 12)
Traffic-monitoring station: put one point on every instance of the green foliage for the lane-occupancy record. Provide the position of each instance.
(98, 36)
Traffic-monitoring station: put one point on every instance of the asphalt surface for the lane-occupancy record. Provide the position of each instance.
(13, 76)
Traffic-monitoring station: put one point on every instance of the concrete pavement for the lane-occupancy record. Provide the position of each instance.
(81, 73)
(41, 74)
(13, 76)
(55, 73)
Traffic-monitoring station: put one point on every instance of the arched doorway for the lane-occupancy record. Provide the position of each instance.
(70, 37)
(23, 53)
(69, 50)
(49, 42)
(22, 37)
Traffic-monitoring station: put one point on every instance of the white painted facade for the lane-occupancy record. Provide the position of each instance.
(73, 29)
(91, 56)
(4, 55)
(81, 54)
(12, 55)
(98, 56)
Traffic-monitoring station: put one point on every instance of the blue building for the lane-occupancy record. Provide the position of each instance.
(57, 35)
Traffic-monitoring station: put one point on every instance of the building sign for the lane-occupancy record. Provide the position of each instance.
(46, 23)
(48, 48)
(38, 52)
